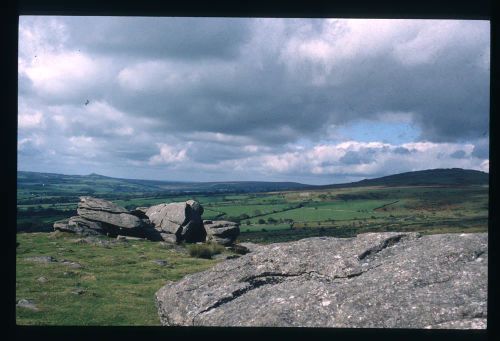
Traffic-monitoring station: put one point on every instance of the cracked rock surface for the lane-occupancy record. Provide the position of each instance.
(99, 210)
(182, 220)
(375, 280)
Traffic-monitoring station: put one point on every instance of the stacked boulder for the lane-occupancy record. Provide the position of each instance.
(174, 222)
(97, 216)
(221, 232)
(178, 221)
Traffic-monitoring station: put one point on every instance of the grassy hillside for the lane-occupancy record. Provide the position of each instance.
(34, 187)
(439, 177)
(114, 286)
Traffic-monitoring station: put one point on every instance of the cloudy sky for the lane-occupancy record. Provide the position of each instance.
(316, 101)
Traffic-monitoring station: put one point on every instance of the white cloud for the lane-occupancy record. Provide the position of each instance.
(283, 163)
(168, 155)
(158, 75)
(367, 158)
(40, 35)
(427, 43)
(28, 121)
(341, 40)
(84, 146)
(62, 73)
(218, 137)
(81, 141)
(485, 166)
(96, 118)
(34, 141)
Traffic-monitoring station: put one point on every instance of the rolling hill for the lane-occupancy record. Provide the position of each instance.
(51, 183)
(57, 184)
(429, 177)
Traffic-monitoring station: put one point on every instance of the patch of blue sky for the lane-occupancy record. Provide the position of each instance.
(378, 131)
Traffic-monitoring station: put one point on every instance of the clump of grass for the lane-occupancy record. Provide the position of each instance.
(206, 250)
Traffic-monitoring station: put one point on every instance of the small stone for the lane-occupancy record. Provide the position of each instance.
(71, 264)
(42, 259)
(28, 304)
(160, 262)
(80, 241)
(78, 291)
(42, 279)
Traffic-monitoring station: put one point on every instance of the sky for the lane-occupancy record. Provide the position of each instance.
(316, 101)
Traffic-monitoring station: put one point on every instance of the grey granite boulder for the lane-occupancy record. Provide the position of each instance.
(168, 217)
(180, 219)
(195, 207)
(221, 231)
(79, 226)
(98, 216)
(107, 212)
(28, 304)
(375, 280)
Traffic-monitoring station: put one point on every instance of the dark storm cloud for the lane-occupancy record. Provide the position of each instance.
(260, 90)
(447, 95)
(448, 99)
(150, 37)
(208, 153)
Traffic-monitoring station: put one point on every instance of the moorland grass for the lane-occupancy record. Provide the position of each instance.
(114, 287)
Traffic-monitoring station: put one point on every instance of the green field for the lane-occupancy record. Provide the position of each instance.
(429, 209)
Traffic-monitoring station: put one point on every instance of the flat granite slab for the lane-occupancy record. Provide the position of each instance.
(375, 280)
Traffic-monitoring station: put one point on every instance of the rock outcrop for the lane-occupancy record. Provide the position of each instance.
(106, 212)
(173, 222)
(182, 220)
(98, 216)
(221, 232)
(375, 280)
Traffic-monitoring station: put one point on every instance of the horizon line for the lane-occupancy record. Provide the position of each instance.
(247, 181)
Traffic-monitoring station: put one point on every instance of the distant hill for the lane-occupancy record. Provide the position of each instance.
(429, 177)
(57, 184)
(95, 184)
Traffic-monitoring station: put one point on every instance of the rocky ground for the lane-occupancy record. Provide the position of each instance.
(375, 280)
